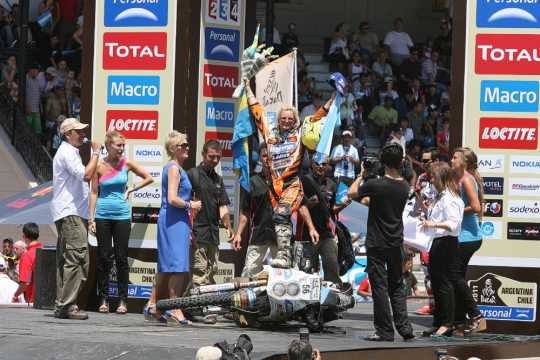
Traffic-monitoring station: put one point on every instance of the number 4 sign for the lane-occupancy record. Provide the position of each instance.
(223, 12)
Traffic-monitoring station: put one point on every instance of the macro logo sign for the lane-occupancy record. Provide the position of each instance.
(512, 96)
(128, 13)
(136, 90)
(219, 81)
(222, 44)
(508, 14)
(508, 133)
(491, 229)
(224, 138)
(525, 165)
(488, 163)
(134, 50)
(493, 185)
(493, 207)
(524, 187)
(523, 209)
(523, 231)
(133, 124)
(219, 114)
(148, 153)
(223, 11)
(510, 54)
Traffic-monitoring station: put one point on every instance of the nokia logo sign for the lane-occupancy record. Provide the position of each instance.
(148, 153)
(525, 164)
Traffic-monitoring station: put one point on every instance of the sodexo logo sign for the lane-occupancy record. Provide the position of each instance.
(508, 13)
(148, 153)
(525, 164)
(133, 90)
(219, 114)
(148, 195)
(523, 209)
(514, 96)
(136, 13)
(222, 44)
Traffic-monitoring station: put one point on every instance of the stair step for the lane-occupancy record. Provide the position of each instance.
(317, 68)
(313, 58)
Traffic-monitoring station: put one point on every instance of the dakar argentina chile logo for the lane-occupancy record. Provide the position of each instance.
(272, 92)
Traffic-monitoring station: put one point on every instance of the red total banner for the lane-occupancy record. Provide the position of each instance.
(219, 81)
(134, 50)
(508, 133)
(224, 138)
(512, 54)
(133, 124)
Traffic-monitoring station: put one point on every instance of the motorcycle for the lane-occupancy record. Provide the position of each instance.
(273, 296)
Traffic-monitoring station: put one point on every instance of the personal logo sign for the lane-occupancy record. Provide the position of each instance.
(222, 44)
(523, 231)
(133, 90)
(130, 13)
(502, 298)
(510, 54)
(511, 96)
(508, 14)
(508, 133)
(134, 50)
(133, 124)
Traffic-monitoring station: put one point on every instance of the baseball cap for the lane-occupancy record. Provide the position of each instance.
(71, 124)
(346, 132)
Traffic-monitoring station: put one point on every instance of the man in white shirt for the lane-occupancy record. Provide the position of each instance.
(7, 286)
(345, 157)
(399, 43)
(69, 209)
(312, 108)
(430, 66)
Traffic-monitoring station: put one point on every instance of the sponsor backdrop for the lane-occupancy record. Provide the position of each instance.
(221, 45)
(133, 69)
(502, 76)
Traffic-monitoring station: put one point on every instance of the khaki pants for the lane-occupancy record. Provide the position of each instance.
(254, 258)
(205, 258)
(72, 260)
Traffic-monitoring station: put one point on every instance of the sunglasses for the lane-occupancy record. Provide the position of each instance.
(183, 146)
(426, 161)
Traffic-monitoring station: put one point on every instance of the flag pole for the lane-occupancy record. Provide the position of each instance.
(295, 79)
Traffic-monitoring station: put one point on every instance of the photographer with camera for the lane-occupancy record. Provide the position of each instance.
(388, 195)
(345, 158)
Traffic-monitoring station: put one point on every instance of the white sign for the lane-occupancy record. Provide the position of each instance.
(148, 153)
(148, 195)
(492, 230)
(524, 187)
(523, 209)
(525, 164)
(488, 163)
(155, 172)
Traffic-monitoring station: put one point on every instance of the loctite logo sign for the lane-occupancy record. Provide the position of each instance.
(134, 51)
(219, 81)
(512, 54)
(224, 138)
(508, 133)
(134, 124)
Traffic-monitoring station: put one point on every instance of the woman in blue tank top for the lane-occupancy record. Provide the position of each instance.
(110, 217)
(465, 163)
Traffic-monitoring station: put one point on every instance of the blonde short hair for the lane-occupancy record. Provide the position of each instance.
(295, 115)
(174, 139)
(111, 135)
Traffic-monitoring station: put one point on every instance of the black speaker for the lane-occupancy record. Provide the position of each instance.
(45, 278)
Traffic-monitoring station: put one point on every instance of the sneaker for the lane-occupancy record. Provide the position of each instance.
(72, 314)
(377, 337)
(425, 310)
(281, 262)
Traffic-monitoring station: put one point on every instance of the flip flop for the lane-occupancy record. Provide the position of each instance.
(173, 321)
(151, 317)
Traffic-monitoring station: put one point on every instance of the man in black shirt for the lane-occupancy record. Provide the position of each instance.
(388, 196)
(209, 189)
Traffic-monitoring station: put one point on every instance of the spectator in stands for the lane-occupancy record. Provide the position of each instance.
(348, 108)
(56, 139)
(8, 287)
(62, 70)
(431, 95)
(443, 43)
(9, 70)
(382, 117)
(67, 24)
(308, 110)
(357, 138)
(414, 152)
(69, 209)
(290, 40)
(301, 350)
(74, 103)
(416, 119)
(51, 80)
(276, 37)
(27, 264)
(443, 140)
(345, 158)
(430, 67)
(399, 42)
(338, 53)
(8, 30)
(19, 247)
(408, 133)
(367, 40)
(35, 86)
(410, 69)
(53, 7)
(7, 247)
(71, 82)
(429, 129)
(356, 68)
(388, 90)
(381, 68)
(396, 137)
(415, 88)
(365, 95)
(55, 105)
(305, 89)
(77, 35)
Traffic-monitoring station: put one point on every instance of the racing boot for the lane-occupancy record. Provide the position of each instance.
(283, 237)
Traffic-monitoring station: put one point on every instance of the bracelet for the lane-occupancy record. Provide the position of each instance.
(188, 206)
(95, 153)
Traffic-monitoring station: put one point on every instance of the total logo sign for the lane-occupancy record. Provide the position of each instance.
(508, 133)
(224, 138)
(511, 54)
(223, 11)
(219, 114)
(523, 209)
(148, 195)
(135, 13)
(133, 124)
(513, 96)
(525, 164)
(493, 207)
(219, 81)
(154, 171)
(222, 44)
(524, 187)
(488, 163)
(148, 153)
(491, 229)
(143, 90)
(134, 50)
(507, 13)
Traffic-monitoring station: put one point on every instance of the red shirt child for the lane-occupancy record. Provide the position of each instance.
(27, 265)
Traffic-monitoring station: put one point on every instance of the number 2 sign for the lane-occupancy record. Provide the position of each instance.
(223, 12)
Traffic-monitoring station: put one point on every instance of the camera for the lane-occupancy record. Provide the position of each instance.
(304, 334)
(372, 167)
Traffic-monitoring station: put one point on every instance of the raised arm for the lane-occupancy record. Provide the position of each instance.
(256, 110)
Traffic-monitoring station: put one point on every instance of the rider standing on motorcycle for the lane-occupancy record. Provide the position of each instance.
(256, 208)
(286, 151)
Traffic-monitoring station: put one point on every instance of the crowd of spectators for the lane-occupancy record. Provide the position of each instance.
(53, 63)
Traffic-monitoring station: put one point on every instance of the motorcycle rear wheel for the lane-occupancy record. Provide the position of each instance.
(195, 301)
